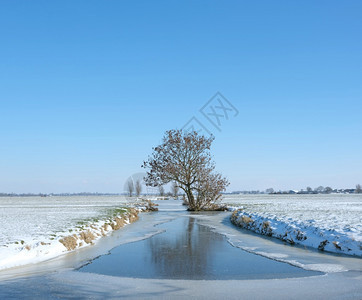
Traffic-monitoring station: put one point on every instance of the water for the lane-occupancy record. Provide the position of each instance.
(187, 250)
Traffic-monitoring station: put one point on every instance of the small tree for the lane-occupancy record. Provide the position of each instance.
(358, 189)
(175, 189)
(269, 191)
(309, 189)
(328, 190)
(138, 187)
(185, 158)
(319, 189)
(130, 187)
(161, 190)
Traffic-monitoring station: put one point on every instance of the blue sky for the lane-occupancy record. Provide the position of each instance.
(87, 88)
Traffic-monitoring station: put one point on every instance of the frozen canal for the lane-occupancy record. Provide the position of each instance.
(280, 278)
(187, 250)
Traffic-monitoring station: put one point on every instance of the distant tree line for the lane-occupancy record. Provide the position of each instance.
(307, 190)
(318, 190)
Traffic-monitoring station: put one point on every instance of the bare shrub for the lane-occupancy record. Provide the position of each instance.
(175, 188)
(130, 187)
(138, 187)
(161, 190)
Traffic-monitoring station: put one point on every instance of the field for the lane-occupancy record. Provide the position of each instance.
(336, 218)
(31, 227)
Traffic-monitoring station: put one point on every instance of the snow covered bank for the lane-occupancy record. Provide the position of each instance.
(298, 232)
(70, 224)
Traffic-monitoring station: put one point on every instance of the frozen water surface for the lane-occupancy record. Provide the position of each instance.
(187, 250)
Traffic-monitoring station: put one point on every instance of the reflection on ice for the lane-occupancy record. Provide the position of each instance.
(186, 250)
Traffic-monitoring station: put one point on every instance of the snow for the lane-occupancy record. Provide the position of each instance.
(309, 220)
(32, 227)
(40, 281)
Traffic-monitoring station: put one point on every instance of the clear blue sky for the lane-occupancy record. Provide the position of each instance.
(87, 88)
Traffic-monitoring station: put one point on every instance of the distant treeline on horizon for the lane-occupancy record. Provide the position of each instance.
(270, 191)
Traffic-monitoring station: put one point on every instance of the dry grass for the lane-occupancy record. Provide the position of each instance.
(322, 245)
(300, 236)
(337, 245)
(265, 225)
(69, 242)
(118, 223)
(133, 215)
(245, 220)
(266, 229)
(87, 236)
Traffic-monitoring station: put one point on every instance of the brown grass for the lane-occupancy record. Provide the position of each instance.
(265, 225)
(336, 245)
(322, 245)
(118, 223)
(246, 220)
(133, 216)
(87, 236)
(69, 242)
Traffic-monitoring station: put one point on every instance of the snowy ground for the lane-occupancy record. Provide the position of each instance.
(331, 222)
(341, 281)
(31, 227)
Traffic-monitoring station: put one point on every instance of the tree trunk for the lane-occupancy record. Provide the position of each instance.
(190, 198)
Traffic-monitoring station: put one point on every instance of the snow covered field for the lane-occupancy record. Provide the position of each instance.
(342, 281)
(332, 222)
(32, 227)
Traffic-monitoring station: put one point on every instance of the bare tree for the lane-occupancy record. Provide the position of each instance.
(138, 188)
(309, 189)
(175, 189)
(328, 190)
(130, 187)
(269, 191)
(161, 190)
(185, 158)
(358, 189)
(319, 189)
